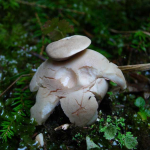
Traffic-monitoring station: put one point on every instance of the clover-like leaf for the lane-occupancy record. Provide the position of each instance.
(143, 115)
(90, 144)
(139, 102)
(50, 25)
(57, 29)
(130, 141)
(110, 132)
(147, 111)
(55, 35)
(65, 27)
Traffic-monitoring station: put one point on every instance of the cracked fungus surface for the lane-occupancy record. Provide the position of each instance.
(79, 106)
(74, 83)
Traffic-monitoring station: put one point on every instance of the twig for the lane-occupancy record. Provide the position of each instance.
(67, 147)
(74, 11)
(31, 4)
(42, 49)
(34, 135)
(128, 32)
(130, 54)
(39, 21)
(39, 56)
(62, 127)
(139, 77)
(26, 87)
(24, 75)
(34, 54)
(44, 6)
(138, 67)
(88, 34)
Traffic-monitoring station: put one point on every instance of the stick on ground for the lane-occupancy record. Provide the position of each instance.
(138, 67)
(24, 75)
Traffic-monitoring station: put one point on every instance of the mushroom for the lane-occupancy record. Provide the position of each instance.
(79, 83)
(39, 138)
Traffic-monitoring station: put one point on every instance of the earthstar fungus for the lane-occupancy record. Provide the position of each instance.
(76, 78)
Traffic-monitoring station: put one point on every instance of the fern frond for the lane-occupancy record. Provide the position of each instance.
(18, 107)
(7, 132)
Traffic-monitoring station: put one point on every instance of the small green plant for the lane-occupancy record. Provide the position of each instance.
(78, 137)
(139, 41)
(17, 117)
(112, 131)
(129, 140)
(57, 29)
(144, 111)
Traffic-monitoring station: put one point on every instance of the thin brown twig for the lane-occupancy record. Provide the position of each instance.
(42, 50)
(67, 147)
(34, 54)
(63, 127)
(128, 32)
(31, 4)
(88, 33)
(44, 6)
(24, 75)
(138, 67)
(74, 11)
(130, 54)
(39, 21)
(39, 56)
(26, 87)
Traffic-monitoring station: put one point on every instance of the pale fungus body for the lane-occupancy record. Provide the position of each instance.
(40, 139)
(78, 83)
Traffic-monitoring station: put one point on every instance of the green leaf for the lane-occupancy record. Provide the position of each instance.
(110, 93)
(50, 25)
(143, 48)
(139, 102)
(147, 111)
(110, 132)
(113, 83)
(56, 35)
(57, 29)
(120, 138)
(90, 144)
(130, 141)
(65, 27)
(109, 119)
(143, 115)
(14, 4)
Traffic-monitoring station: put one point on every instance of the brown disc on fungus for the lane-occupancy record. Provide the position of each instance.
(67, 47)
